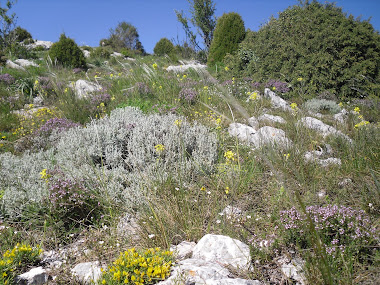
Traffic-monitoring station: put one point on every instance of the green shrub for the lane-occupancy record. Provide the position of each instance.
(20, 34)
(318, 105)
(317, 42)
(67, 53)
(229, 32)
(127, 52)
(100, 52)
(163, 46)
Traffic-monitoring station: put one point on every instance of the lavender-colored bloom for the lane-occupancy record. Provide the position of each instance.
(100, 98)
(227, 82)
(7, 78)
(188, 94)
(142, 88)
(256, 85)
(56, 124)
(188, 83)
(279, 86)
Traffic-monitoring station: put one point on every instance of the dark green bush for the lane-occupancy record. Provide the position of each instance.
(318, 43)
(67, 53)
(163, 46)
(100, 52)
(229, 32)
(20, 34)
(127, 52)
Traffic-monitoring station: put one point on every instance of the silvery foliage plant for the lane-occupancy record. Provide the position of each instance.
(119, 152)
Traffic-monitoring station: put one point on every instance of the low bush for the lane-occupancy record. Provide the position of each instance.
(67, 53)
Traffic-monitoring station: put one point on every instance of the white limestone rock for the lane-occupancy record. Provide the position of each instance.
(37, 43)
(292, 269)
(277, 102)
(184, 67)
(342, 116)
(224, 250)
(241, 131)
(11, 64)
(87, 272)
(25, 63)
(183, 250)
(117, 54)
(322, 128)
(83, 88)
(272, 119)
(86, 53)
(231, 212)
(253, 122)
(35, 276)
(270, 136)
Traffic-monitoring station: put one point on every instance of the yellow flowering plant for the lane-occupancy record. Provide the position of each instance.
(14, 260)
(139, 267)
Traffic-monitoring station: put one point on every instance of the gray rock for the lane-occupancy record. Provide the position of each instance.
(292, 269)
(37, 43)
(117, 54)
(183, 250)
(38, 101)
(25, 63)
(11, 64)
(184, 67)
(277, 102)
(224, 250)
(342, 116)
(322, 128)
(315, 156)
(83, 88)
(272, 119)
(270, 136)
(87, 272)
(86, 53)
(35, 276)
(241, 131)
(231, 212)
(253, 122)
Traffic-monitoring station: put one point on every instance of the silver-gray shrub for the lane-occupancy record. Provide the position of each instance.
(118, 152)
(317, 105)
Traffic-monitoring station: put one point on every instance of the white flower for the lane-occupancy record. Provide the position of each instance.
(151, 236)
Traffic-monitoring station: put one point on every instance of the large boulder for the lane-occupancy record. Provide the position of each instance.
(25, 63)
(11, 64)
(241, 131)
(185, 67)
(224, 250)
(271, 119)
(270, 136)
(322, 128)
(37, 43)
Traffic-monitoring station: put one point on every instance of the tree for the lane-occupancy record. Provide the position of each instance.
(125, 35)
(229, 32)
(202, 19)
(163, 46)
(6, 24)
(67, 53)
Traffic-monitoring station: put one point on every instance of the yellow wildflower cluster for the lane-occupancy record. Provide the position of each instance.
(19, 256)
(226, 68)
(294, 106)
(101, 111)
(178, 123)
(230, 156)
(155, 66)
(357, 110)
(362, 122)
(44, 175)
(208, 117)
(252, 95)
(139, 268)
(34, 119)
(299, 79)
(159, 148)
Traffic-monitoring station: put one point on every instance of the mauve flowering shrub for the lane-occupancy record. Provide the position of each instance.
(142, 88)
(71, 201)
(340, 228)
(50, 132)
(188, 83)
(7, 78)
(188, 94)
(256, 85)
(278, 86)
(100, 98)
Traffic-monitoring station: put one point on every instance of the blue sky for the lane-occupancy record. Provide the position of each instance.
(88, 21)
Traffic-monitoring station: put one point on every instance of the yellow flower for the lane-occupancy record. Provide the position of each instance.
(226, 68)
(274, 88)
(184, 76)
(252, 96)
(203, 188)
(229, 155)
(357, 110)
(340, 104)
(159, 148)
(227, 190)
(286, 155)
(205, 88)
(155, 66)
(294, 106)
(104, 281)
(178, 123)
(299, 79)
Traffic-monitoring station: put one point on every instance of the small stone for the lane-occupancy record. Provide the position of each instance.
(35, 276)
(272, 119)
(87, 272)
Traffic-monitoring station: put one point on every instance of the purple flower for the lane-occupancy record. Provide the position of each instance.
(142, 88)
(277, 85)
(7, 78)
(188, 94)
